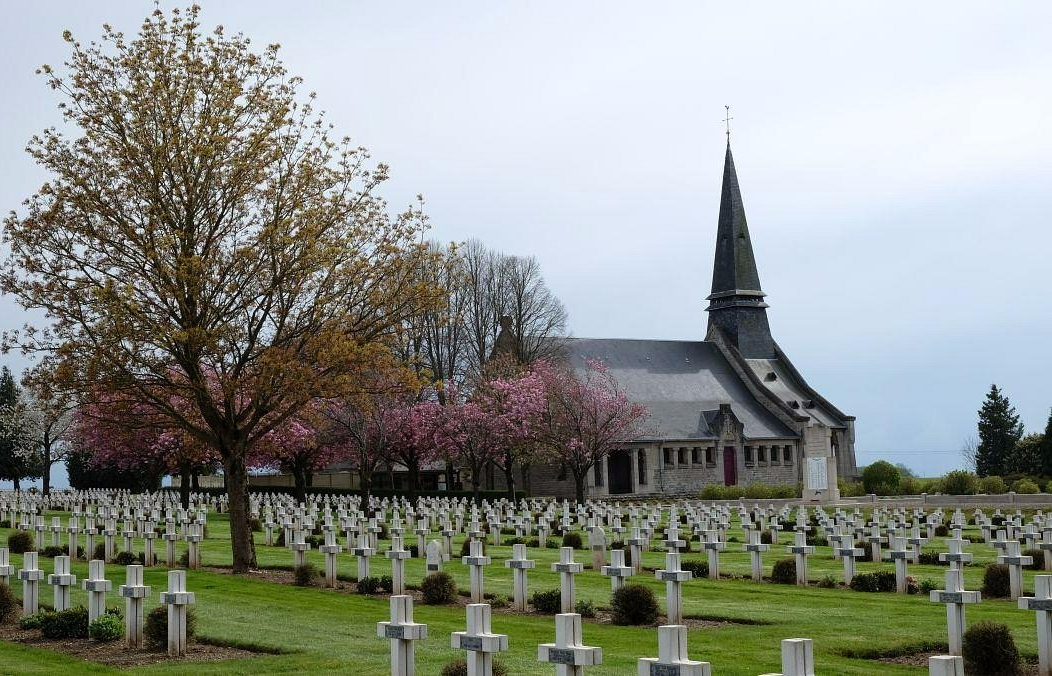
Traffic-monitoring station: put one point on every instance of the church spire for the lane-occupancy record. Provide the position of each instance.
(736, 302)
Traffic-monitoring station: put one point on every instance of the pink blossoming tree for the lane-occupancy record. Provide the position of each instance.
(586, 418)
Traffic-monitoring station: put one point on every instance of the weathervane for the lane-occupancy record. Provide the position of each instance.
(727, 121)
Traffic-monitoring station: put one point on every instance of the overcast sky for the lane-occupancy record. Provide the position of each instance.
(894, 159)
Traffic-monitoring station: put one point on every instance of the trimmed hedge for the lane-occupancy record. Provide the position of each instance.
(989, 649)
(549, 602)
(634, 604)
(878, 581)
(438, 588)
(20, 542)
(784, 571)
(155, 628)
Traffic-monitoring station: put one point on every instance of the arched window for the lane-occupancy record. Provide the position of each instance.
(641, 462)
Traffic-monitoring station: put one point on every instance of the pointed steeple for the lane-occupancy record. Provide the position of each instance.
(736, 302)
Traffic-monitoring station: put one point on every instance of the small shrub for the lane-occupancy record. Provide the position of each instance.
(942, 530)
(31, 621)
(878, 581)
(993, 485)
(827, 582)
(125, 558)
(184, 559)
(1038, 557)
(585, 608)
(572, 539)
(698, 568)
(52, 551)
(634, 604)
(438, 588)
(1026, 487)
(71, 623)
(499, 601)
(931, 559)
(9, 605)
(549, 602)
(256, 525)
(989, 649)
(368, 585)
(305, 575)
(5, 524)
(459, 667)
(784, 571)
(996, 583)
(106, 628)
(414, 551)
(765, 538)
(100, 552)
(960, 482)
(155, 628)
(927, 586)
(386, 583)
(20, 542)
(279, 541)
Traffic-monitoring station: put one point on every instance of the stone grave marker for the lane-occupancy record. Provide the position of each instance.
(403, 632)
(569, 654)
(177, 599)
(479, 640)
(134, 593)
(955, 598)
(62, 580)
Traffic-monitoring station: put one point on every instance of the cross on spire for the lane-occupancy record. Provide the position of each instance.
(727, 121)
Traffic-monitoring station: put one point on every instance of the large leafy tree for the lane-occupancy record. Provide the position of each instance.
(203, 238)
(19, 452)
(999, 432)
(49, 417)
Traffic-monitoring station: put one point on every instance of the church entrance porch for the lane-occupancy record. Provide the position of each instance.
(730, 467)
(619, 472)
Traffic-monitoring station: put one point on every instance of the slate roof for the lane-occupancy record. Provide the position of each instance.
(682, 383)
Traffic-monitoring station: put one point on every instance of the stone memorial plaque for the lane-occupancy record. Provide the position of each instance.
(664, 669)
(471, 643)
(1040, 604)
(560, 655)
(816, 474)
(391, 631)
(951, 597)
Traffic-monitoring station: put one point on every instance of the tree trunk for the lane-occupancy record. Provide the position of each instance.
(184, 485)
(300, 482)
(195, 481)
(578, 485)
(509, 478)
(244, 549)
(366, 481)
(450, 485)
(526, 478)
(17, 481)
(476, 479)
(413, 470)
(45, 477)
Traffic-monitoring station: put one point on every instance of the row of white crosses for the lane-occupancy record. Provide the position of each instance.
(97, 586)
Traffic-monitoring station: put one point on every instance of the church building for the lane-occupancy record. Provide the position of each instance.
(730, 409)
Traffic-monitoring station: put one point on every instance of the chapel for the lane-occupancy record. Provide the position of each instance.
(730, 409)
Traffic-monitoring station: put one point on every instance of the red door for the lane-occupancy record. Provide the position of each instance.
(730, 468)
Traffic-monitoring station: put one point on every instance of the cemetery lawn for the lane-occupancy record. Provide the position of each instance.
(325, 631)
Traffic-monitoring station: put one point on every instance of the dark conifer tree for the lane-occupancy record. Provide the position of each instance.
(999, 432)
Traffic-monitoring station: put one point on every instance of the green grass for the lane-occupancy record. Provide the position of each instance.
(314, 630)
